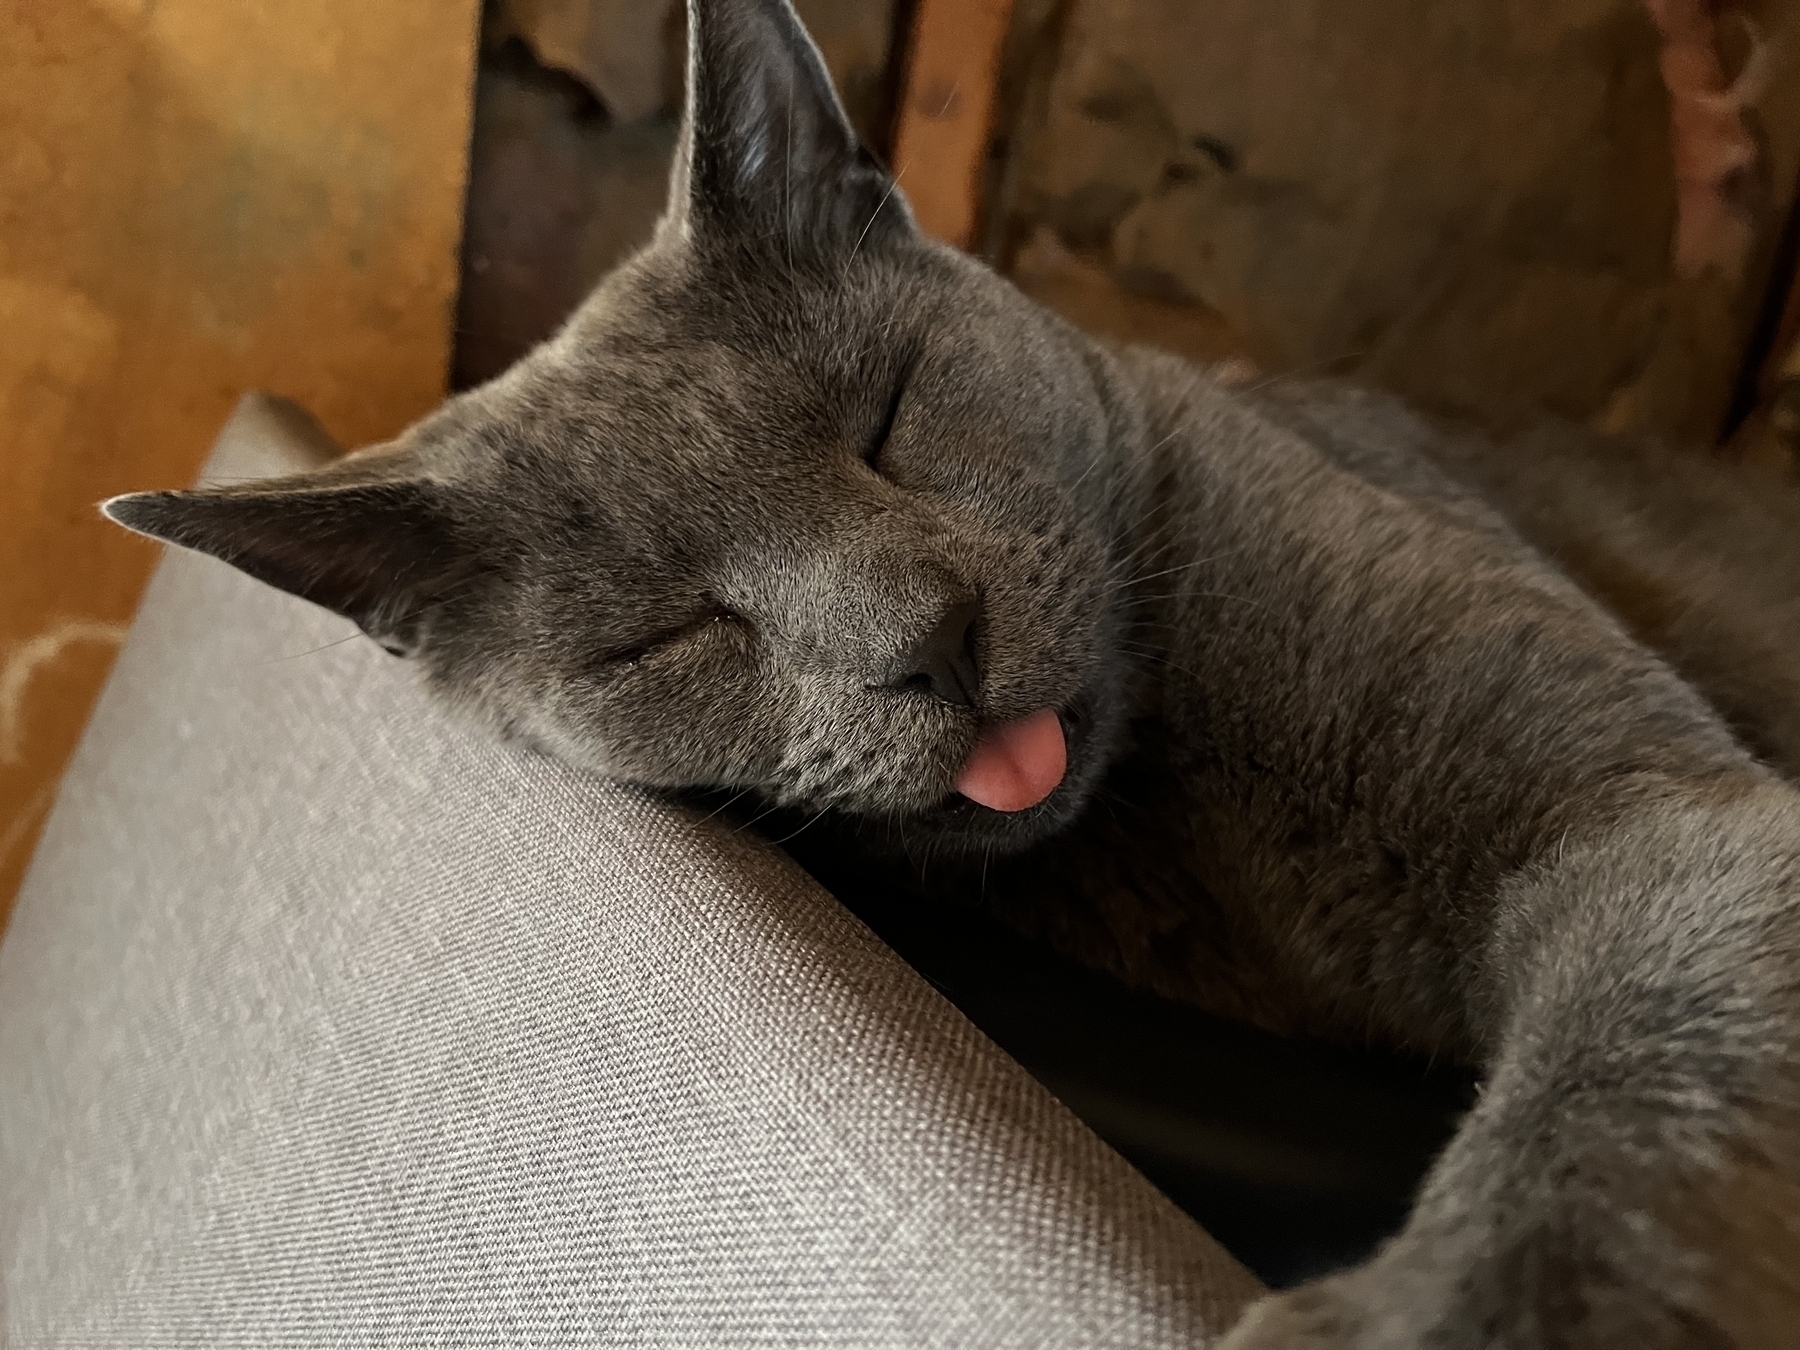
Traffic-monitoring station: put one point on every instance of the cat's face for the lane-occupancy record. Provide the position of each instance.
(798, 503)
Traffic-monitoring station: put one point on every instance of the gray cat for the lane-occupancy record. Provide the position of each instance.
(1281, 701)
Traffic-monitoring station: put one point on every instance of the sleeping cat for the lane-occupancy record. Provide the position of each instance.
(1281, 701)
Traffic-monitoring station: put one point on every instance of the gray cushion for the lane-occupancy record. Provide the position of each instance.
(325, 1020)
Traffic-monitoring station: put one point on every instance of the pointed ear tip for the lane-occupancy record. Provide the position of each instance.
(135, 510)
(119, 509)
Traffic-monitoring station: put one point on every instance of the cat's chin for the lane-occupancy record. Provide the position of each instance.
(955, 826)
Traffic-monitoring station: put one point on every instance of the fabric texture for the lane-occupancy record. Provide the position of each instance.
(324, 1020)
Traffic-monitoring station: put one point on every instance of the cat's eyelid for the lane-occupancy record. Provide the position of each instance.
(888, 418)
(714, 611)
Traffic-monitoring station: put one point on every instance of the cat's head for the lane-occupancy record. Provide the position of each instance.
(799, 502)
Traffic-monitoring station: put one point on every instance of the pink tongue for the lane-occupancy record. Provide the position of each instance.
(1017, 765)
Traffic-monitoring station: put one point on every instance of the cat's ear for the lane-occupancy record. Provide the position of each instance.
(377, 552)
(766, 151)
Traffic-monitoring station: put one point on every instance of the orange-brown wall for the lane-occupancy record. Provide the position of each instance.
(197, 197)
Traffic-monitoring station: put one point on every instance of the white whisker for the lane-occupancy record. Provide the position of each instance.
(893, 183)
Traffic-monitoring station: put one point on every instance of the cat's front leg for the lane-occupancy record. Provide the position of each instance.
(1633, 1245)
(1631, 1174)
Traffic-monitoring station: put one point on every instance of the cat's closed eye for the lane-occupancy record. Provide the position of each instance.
(890, 415)
(707, 620)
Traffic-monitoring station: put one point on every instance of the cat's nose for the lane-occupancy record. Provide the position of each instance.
(943, 661)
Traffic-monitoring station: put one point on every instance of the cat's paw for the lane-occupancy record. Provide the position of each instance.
(1400, 1304)
(1328, 1315)
(1391, 1308)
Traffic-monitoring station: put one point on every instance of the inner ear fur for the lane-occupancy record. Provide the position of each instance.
(767, 153)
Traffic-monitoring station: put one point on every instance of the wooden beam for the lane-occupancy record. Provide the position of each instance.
(947, 112)
(202, 196)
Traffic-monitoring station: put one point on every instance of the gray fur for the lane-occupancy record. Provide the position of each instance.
(1379, 731)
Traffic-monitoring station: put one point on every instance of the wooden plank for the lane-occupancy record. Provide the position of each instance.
(202, 196)
(947, 112)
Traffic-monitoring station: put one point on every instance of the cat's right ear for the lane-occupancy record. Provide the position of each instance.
(767, 154)
(377, 552)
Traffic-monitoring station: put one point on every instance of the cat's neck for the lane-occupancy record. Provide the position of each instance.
(1186, 445)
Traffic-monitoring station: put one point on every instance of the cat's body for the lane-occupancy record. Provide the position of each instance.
(1361, 659)
(805, 506)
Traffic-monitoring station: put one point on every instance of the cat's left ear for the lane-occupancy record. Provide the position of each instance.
(766, 151)
(378, 549)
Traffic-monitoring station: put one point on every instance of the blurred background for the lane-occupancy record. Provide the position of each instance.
(1496, 207)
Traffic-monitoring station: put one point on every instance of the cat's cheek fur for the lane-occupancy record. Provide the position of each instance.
(658, 725)
(870, 752)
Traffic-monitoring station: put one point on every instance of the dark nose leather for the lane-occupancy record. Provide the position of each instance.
(944, 659)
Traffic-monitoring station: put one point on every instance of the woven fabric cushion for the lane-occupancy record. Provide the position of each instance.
(325, 1020)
